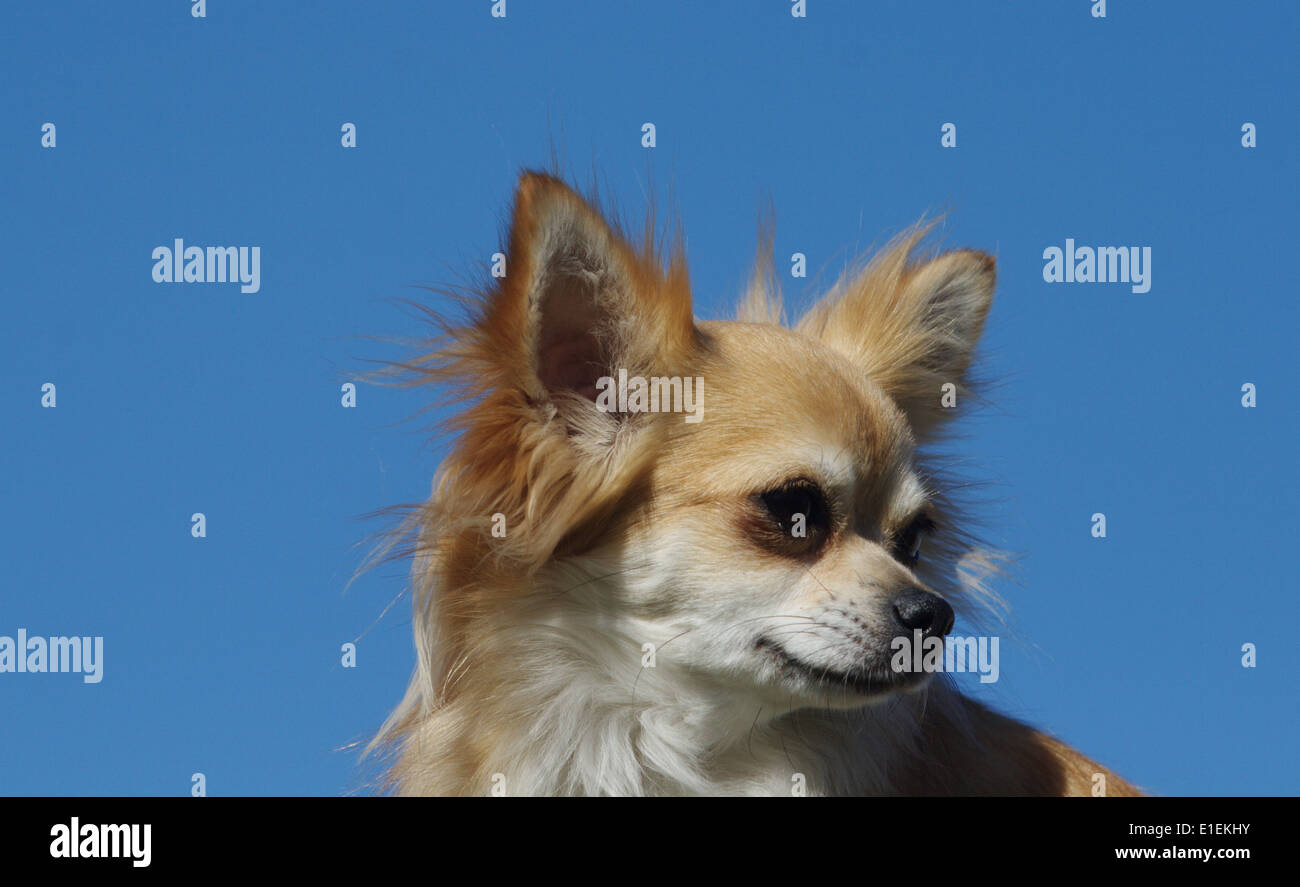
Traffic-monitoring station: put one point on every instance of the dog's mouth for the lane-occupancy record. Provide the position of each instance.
(864, 680)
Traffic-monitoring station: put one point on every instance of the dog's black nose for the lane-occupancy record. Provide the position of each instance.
(921, 611)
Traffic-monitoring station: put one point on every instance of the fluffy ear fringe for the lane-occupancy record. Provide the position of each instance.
(515, 457)
(911, 321)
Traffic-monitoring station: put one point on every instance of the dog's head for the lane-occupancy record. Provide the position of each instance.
(744, 498)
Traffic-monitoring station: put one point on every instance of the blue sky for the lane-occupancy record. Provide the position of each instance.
(222, 655)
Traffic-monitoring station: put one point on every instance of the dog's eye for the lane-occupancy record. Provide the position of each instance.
(907, 547)
(799, 514)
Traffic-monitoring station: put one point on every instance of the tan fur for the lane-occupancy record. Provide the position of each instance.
(579, 490)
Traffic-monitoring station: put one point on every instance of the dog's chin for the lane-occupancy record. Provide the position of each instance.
(865, 683)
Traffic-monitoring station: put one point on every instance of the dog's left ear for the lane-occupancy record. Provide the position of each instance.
(913, 326)
(579, 302)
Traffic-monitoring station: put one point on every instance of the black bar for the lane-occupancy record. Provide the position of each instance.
(442, 836)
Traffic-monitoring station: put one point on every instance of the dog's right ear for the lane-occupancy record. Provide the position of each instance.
(911, 322)
(578, 303)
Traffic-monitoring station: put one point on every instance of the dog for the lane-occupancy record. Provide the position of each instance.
(702, 598)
